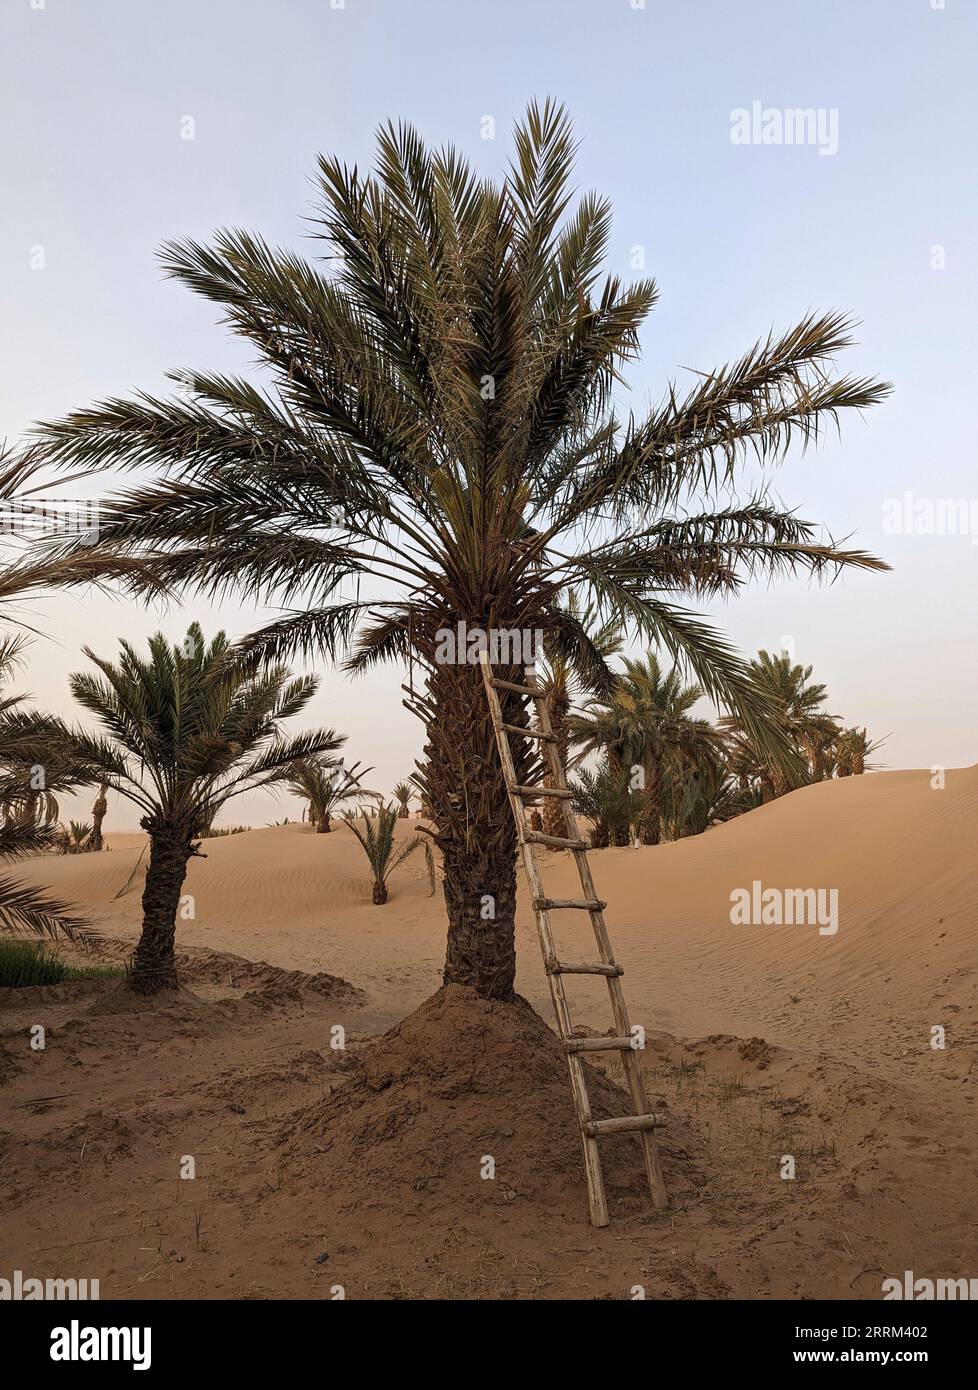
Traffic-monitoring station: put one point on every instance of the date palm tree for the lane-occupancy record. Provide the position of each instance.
(403, 791)
(439, 415)
(799, 713)
(77, 837)
(853, 747)
(377, 840)
(704, 796)
(605, 798)
(325, 783)
(185, 731)
(560, 683)
(646, 722)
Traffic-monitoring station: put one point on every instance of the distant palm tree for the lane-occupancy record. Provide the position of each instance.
(609, 727)
(705, 796)
(561, 680)
(377, 839)
(99, 808)
(403, 791)
(852, 748)
(605, 798)
(809, 729)
(325, 783)
(439, 414)
(646, 723)
(76, 837)
(187, 730)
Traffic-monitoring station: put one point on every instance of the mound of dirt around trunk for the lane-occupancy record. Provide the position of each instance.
(416, 1115)
(258, 978)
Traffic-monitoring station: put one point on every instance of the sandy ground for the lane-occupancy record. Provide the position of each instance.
(763, 1041)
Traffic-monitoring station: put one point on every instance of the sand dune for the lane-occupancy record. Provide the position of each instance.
(362, 1166)
(901, 856)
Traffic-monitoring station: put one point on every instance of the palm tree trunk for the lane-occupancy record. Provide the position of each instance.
(553, 812)
(98, 816)
(154, 966)
(322, 824)
(622, 834)
(600, 835)
(475, 834)
(379, 892)
(650, 824)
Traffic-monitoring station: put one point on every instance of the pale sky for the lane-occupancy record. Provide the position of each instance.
(94, 174)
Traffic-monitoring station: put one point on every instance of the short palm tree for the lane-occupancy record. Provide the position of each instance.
(325, 783)
(77, 837)
(377, 840)
(185, 731)
(438, 412)
(403, 791)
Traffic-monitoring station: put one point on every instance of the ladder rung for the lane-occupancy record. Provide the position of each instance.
(559, 968)
(625, 1125)
(582, 904)
(511, 685)
(562, 793)
(537, 837)
(599, 1044)
(529, 733)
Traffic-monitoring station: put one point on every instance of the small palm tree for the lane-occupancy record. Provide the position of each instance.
(403, 791)
(186, 730)
(76, 837)
(377, 839)
(325, 783)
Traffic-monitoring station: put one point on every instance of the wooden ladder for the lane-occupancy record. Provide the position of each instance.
(591, 1130)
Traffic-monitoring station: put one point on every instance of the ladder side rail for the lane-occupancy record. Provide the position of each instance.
(616, 993)
(597, 1198)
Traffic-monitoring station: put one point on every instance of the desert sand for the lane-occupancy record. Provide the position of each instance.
(320, 1169)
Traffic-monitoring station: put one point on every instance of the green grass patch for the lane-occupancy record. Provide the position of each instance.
(24, 964)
